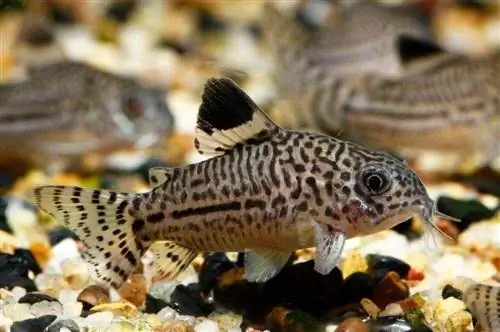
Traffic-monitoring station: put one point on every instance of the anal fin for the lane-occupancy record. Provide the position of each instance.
(262, 265)
(328, 249)
(170, 259)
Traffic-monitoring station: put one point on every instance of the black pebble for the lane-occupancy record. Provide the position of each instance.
(154, 305)
(33, 324)
(208, 22)
(450, 291)
(6, 181)
(121, 11)
(4, 225)
(389, 324)
(14, 270)
(405, 228)
(468, 211)
(297, 287)
(187, 300)
(67, 323)
(86, 307)
(304, 289)
(380, 265)
(36, 297)
(356, 287)
(58, 234)
(214, 265)
(11, 5)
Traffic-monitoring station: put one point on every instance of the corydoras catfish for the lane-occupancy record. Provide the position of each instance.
(368, 39)
(266, 191)
(450, 105)
(66, 109)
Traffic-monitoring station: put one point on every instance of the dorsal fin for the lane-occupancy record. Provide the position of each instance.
(411, 48)
(227, 117)
(159, 175)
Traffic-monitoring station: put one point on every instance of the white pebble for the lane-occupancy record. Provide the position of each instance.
(18, 292)
(98, 319)
(46, 308)
(68, 296)
(206, 325)
(17, 311)
(72, 309)
(166, 313)
(65, 249)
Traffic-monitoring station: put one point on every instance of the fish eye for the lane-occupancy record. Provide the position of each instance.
(132, 107)
(375, 181)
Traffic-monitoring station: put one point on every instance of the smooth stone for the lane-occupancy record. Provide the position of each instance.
(17, 311)
(72, 309)
(213, 267)
(4, 223)
(206, 325)
(68, 324)
(187, 301)
(59, 234)
(134, 290)
(407, 230)
(450, 291)
(380, 265)
(35, 297)
(14, 270)
(352, 324)
(388, 324)
(154, 305)
(306, 290)
(46, 308)
(94, 295)
(33, 324)
(121, 11)
(163, 289)
(468, 211)
(390, 289)
(356, 287)
(98, 319)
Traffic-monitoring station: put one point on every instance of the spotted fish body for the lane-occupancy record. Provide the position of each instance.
(266, 191)
(68, 108)
(450, 104)
(368, 39)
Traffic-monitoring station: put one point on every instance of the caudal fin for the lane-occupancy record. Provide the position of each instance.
(100, 219)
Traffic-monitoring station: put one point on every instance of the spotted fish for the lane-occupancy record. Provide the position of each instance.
(450, 104)
(483, 302)
(69, 108)
(265, 191)
(367, 39)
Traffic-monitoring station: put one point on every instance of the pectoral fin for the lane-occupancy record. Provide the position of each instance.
(262, 265)
(328, 249)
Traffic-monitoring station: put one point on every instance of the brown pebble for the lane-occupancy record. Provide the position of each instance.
(173, 326)
(94, 295)
(352, 324)
(276, 317)
(134, 290)
(390, 289)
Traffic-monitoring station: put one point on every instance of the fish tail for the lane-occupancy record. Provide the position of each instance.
(101, 220)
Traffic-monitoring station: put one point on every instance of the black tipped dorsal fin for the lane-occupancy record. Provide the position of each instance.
(228, 117)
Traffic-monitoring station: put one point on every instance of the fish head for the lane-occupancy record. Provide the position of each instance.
(384, 193)
(141, 114)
